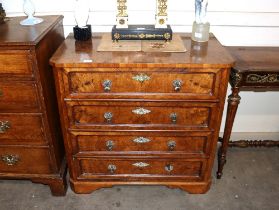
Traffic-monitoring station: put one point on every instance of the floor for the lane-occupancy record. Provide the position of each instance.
(250, 181)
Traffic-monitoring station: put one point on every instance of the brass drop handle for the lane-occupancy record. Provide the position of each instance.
(173, 117)
(171, 145)
(4, 126)
(107, 85)
(10, 160)
(111, 168)
(177, 84)
(110, 145)
(169, 168)
(108, 117)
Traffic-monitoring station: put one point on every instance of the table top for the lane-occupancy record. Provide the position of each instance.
(12, 33)
(255, 58)
(84, 54)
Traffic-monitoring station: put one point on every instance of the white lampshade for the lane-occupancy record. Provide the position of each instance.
(29, 10)
(81, 12)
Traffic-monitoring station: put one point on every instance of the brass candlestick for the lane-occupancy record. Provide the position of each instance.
(122, 15)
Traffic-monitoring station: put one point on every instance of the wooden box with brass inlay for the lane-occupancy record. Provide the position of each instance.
(140, 118)
(31, 145)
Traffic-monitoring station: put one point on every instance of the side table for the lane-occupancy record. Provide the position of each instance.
(256, 69)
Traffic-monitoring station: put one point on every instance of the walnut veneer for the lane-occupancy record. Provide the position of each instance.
(140, 118)
(31, 145)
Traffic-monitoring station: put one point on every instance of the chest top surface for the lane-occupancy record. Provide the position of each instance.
(12, 33)
(255, 58)
(84, 54)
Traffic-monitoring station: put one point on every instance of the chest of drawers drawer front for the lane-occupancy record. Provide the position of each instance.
(142, 167)
(21, 160)
(193, 143)
(18, 97)
(180, 84)
(149, 113)
(21, 129)
(16, 62)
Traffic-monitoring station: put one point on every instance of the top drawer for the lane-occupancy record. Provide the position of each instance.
(172, 83)
(15, 62)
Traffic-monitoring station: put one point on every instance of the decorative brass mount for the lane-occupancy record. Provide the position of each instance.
(161, 14)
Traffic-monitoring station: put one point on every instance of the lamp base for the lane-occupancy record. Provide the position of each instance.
(31, 21)
(82, 34)
(200, 32)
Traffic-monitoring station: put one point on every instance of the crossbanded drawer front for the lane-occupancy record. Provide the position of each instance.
(151, 113)
(21, 129)
(18, 97)
(93, 167)
(24, 160)
(194, 143)
(16, 62)
(171, 82)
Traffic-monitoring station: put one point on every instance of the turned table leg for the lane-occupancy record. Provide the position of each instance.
(233, 101)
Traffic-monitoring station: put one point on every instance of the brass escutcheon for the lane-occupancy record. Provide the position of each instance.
(140, 164)
(4, 126)
(141, 111)
(10, 160)
(141, 140)
(141, 77)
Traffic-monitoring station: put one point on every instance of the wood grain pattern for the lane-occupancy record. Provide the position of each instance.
(77, 54)
(159, 113)
(98, 168)
(158, 82)
(25, 164)
(24, 129)
(32, 142)
(140, 109)
(193, 143)
(15, 93)
(15, 62)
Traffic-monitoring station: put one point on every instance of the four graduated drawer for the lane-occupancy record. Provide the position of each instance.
(30, 137)
(90, 149)
(140, 117)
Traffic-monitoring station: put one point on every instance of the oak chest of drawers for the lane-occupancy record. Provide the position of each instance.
(31, 145)
(140, 118)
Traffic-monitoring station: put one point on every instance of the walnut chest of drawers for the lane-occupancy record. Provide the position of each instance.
(31, 145)
(140, 118)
